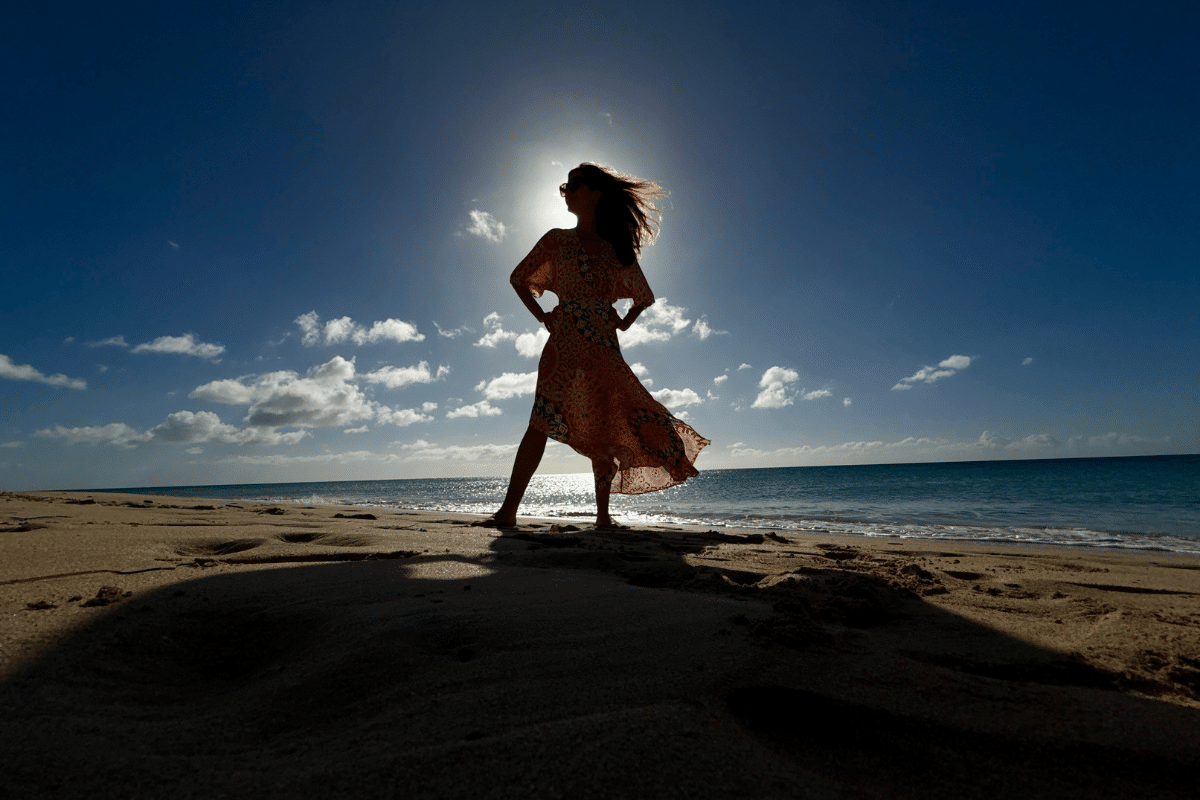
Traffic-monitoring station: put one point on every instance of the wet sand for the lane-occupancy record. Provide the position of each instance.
(166, 647)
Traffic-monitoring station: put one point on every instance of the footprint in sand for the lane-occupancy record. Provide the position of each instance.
(218, 547)
(328, 539)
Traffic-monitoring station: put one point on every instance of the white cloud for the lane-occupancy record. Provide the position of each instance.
(944, 369)
(181, 427)
(230, 392)
(451, 334)
(25, 372)
(401, 417)
(676, 398)
(13, 444)
(508, 385)
(187, 427)
(853, 449)
(267, 436)
(353, 457)
(744, 366)
(639, 369)
(916, 448)
(956, 362)
(324, 397)
(774, 392)
(497, 333)
(846, 401)
(1114, 439)
(360, 429)
(481, 409)
(530, 344)
(485, 226)
(339, 330)
(720, 379)
(183, 345)
(1030, 444)
(856, 448)
(344, 329)
(172, 244)
(390, 329)
(112, 341)
(658, 323)
(1027, 362)
(988, 439)
(194, 451)
(309, 325)
(702, 330)
(117, 434)
(397, 377)
(422, 450)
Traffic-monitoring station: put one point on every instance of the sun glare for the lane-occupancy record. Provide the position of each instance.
(539, 206)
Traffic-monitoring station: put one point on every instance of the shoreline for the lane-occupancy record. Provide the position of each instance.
(253, 648)
(1185, 546)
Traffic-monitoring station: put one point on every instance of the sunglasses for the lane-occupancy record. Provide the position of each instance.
(570, 186)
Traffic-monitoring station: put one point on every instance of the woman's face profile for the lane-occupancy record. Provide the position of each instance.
(578, 194)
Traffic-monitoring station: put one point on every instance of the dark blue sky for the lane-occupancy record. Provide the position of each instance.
(932, 232)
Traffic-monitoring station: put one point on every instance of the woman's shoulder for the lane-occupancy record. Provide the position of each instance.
(555, 237)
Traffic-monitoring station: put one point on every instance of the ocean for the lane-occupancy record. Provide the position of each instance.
(1147, 503)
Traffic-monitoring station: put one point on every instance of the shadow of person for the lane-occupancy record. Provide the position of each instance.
(577, 663)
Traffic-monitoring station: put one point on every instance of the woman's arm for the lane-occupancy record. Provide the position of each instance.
(526, 296)
(631, 317)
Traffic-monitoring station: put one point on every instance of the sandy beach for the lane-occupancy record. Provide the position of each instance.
(165, 647)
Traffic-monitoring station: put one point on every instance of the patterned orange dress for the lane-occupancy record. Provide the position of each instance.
(587, 397)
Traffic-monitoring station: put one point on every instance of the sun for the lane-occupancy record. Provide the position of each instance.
(539, 206)
(543, 167)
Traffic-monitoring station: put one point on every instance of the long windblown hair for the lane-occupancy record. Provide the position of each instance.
(626, 216)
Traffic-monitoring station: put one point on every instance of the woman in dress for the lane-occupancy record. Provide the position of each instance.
(587, 397)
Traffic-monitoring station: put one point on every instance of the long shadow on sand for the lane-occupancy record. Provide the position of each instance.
(578, 664)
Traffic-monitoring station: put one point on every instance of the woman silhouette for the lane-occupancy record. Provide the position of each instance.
(587, 397)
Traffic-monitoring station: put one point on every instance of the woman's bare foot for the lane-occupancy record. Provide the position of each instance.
(494, 522)
(609, 524)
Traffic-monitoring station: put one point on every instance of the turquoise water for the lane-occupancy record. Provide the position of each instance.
(1142, 502)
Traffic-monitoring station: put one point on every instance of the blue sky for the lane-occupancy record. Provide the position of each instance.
(271, 242)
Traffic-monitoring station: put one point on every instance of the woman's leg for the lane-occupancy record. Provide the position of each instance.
(529, 455)
(604, 475)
